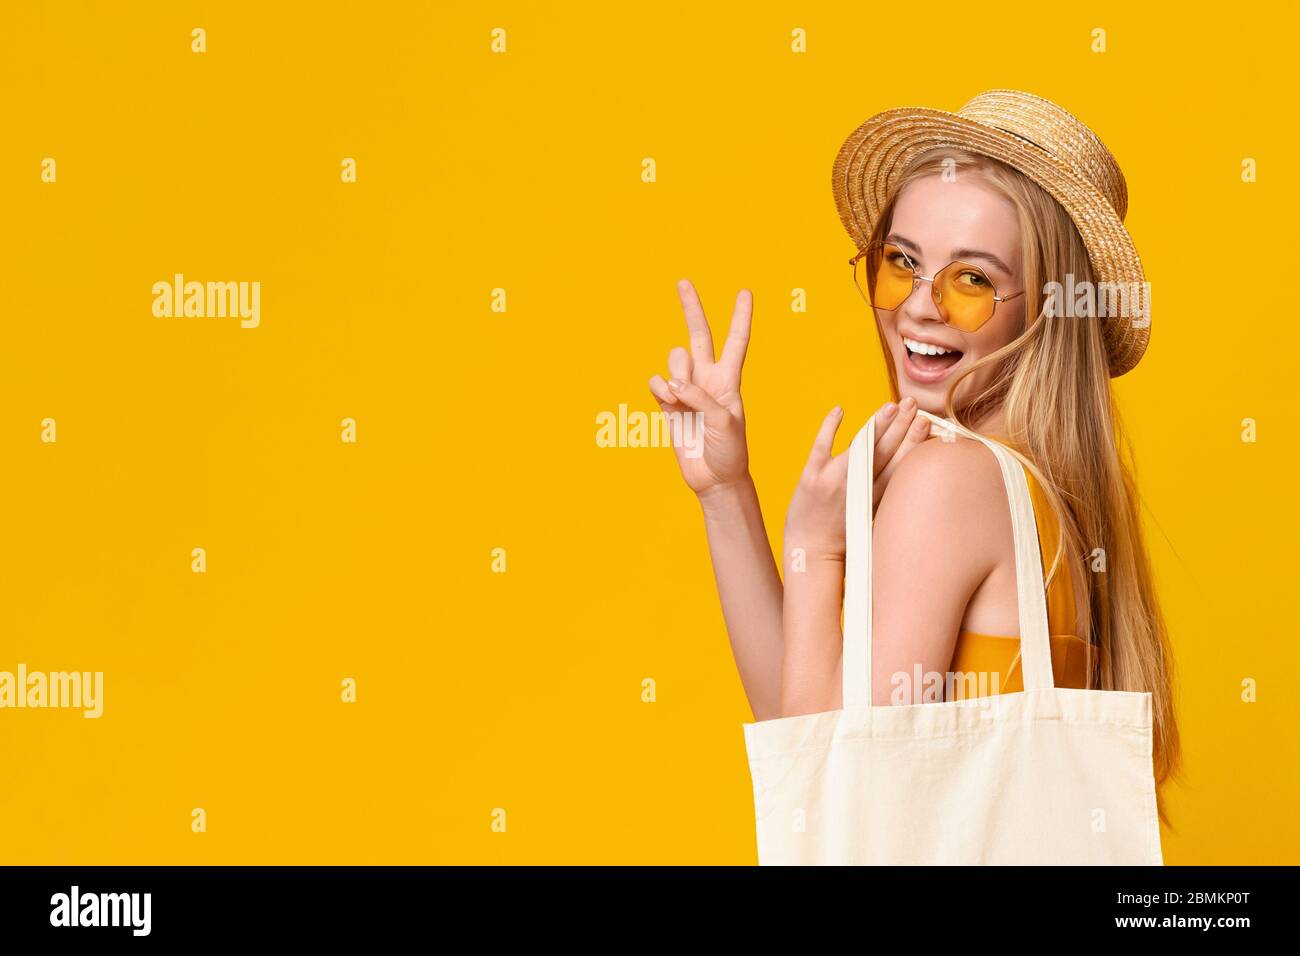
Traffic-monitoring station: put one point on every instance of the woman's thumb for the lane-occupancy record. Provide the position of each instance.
(696, 398)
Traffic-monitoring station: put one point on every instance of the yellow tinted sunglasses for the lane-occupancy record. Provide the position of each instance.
(965, 296)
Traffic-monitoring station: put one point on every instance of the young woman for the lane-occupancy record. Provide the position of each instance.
(967, 227)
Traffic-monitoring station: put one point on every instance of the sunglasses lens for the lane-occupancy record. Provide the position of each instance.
(965, 296)
(886, 271)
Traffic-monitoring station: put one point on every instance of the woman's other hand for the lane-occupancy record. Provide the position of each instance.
(814, 522)
(899, 429)
(815, 519)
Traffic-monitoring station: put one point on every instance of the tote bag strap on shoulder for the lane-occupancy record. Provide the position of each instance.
(1035, 645)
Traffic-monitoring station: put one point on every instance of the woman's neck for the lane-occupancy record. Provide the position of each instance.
(993, 423)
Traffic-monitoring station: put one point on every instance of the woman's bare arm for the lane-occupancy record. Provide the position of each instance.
(716, 468)
(814, 576)
(749, 589)
(937, 534)
(941, 527)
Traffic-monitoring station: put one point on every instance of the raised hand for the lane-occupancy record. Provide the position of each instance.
(815, 519)
(898, 430)
(699, 383)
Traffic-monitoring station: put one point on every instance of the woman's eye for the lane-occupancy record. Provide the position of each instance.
(900, 261)
(974, 279)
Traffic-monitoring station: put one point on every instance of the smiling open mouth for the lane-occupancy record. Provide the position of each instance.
(930, 358)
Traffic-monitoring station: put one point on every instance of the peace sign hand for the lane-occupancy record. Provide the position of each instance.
(702, 391)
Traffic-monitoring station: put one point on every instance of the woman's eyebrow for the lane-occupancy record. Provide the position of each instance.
(915, 250)
(901, 241)
(980, 254)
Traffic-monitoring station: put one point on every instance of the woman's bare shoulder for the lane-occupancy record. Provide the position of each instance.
(947, 497)
(959, 471)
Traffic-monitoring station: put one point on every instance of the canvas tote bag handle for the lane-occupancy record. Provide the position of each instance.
(1035, 645)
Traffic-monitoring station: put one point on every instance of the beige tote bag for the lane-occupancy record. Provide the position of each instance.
(1049, 775)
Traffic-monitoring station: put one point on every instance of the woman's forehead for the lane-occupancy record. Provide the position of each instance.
(940, 216)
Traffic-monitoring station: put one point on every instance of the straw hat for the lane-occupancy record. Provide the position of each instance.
(1035, 136)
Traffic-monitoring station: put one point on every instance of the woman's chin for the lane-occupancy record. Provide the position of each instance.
(931, 398)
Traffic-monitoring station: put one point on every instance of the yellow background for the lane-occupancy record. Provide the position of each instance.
(477, 429)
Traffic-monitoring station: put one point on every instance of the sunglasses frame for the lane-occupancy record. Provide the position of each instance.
(935, 294)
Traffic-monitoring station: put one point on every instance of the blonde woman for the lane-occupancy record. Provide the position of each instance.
(974, 233)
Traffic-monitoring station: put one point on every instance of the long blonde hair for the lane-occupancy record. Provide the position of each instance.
(1053, 385)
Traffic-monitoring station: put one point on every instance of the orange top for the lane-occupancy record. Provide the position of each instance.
(987, 664)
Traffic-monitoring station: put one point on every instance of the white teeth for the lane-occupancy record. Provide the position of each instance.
(925, 348)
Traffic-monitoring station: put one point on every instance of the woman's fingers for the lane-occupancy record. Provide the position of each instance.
(733, 350)
(697, 399)
(885, 416)
(696, 324)
(888, 441)
(660, 390)
(821, 449)
(914, 436)
(917, 433)
(680, 365)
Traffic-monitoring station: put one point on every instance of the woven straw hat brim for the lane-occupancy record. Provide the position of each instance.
(871, 160)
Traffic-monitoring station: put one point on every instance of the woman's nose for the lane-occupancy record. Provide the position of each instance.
(920, 305)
